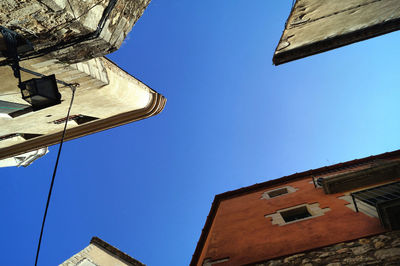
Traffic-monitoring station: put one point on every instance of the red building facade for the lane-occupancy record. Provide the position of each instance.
(304, 212)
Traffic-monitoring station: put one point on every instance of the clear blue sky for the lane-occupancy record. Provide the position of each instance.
(232, 119)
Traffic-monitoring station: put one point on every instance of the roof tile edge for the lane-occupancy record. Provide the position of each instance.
(155, 107)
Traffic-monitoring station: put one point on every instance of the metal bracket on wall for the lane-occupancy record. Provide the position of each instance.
(57, 80)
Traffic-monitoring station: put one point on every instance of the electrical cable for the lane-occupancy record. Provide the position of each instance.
(70, 6)
(73, 87)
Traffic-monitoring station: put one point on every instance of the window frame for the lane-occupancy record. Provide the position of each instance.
(313, 209)
(267, 194)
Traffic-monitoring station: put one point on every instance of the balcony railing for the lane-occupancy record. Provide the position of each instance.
(382, 201)
(377, 172)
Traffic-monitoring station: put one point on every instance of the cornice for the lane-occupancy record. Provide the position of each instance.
(155, 106)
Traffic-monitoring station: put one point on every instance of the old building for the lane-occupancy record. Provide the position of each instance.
(72, 30)
(69, 40)
(316, 26)
(24, 159)
(344, 214)
(100, 252)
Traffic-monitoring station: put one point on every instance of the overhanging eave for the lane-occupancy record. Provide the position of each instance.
(316, 26)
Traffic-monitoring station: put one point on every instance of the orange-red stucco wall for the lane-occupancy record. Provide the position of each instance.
(241, 232)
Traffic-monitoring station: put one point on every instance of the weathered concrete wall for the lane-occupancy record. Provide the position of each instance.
(316, 26)
(47, 23)
(383, 249)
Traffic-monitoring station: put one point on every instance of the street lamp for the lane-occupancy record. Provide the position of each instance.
(39, 92)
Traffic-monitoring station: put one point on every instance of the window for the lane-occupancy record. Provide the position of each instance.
(295, 214)
(11, 110)
(9, 136)
(81, 119)
(381, 201)
(21, 136)
(278, 192)
(375, 195)
(209, 262)
(11, 139)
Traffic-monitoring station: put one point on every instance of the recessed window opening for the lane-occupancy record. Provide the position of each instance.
(273, 193)
(25, 136)
(10, 109)
(9, 136)
(278, 192)
(79, 119)
(296, 214)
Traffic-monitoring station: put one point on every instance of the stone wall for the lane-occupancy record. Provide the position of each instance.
(379, 250)
(47, 23)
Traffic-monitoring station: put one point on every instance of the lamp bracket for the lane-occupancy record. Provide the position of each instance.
(71, 85)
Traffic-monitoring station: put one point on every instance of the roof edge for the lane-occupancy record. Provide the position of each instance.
(126, 72)
(113, 250)
(334, 42)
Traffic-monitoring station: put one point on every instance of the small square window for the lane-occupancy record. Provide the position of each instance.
(296, 214)
(278, 192)
(79, 119)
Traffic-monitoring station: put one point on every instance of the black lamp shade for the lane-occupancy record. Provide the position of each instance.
(40, 92)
